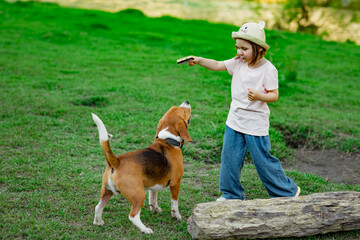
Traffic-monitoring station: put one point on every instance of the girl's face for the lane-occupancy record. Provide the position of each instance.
(244, 50)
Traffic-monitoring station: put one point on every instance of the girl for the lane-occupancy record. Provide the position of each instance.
(254, 84)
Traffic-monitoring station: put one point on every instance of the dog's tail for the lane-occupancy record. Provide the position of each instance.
(104, 142)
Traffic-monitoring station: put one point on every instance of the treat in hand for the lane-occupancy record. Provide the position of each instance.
(185, 59)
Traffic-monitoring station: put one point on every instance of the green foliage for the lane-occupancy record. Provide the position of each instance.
(58, 65)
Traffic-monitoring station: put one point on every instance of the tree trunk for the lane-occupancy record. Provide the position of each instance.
(277, 217)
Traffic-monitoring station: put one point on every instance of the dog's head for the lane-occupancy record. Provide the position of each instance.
(174, 124)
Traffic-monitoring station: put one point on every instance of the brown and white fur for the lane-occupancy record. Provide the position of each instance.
(153, 168)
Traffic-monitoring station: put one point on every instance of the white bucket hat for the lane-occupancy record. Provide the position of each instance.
(253, 32)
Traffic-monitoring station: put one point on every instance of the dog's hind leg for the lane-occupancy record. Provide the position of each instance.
(154, 207)
(136, 204)
(105, 197)
(138, 223)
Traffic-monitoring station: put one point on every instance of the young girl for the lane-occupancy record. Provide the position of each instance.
(254, 84)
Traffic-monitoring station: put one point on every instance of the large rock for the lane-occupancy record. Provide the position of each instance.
(277, 217)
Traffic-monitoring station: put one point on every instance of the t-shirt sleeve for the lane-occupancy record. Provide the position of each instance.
(271, 81)
(230, 65)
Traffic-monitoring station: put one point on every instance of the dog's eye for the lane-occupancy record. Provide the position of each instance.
(189, 120)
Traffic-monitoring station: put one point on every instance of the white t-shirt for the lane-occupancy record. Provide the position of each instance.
(245, 116)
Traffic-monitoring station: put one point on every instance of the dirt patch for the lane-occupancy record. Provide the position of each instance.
(330, 164)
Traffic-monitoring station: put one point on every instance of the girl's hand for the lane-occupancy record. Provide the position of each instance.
(253, 95)
(269, 97)
(194, 62)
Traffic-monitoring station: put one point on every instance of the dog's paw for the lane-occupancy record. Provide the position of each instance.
(155, 209)
(176, 214)
(147, 230)
(98, 222)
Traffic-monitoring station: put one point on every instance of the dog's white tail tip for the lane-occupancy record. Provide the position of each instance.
(95, 117)
(103, 134)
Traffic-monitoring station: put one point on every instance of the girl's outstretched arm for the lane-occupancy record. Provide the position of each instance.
(208, 63)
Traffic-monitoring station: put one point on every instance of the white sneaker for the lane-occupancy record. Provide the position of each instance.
(298, 192)
(221, 199)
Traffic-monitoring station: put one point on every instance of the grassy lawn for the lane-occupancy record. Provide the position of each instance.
(58, 65)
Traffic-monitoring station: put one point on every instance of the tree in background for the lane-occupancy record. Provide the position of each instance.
(297, 11)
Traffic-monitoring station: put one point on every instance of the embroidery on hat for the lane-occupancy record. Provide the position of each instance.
(244, 29)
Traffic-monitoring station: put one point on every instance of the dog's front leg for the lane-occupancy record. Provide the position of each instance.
(153, 202)
(174, 191)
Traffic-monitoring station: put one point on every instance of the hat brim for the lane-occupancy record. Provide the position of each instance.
(241, 35)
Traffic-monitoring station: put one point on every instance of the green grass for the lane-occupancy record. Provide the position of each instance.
(58, 65)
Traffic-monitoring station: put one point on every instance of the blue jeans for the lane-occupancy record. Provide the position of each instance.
(268, 167)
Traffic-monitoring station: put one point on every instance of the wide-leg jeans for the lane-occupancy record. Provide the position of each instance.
(268, 167)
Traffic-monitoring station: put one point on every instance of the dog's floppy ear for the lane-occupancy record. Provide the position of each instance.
(182, 128)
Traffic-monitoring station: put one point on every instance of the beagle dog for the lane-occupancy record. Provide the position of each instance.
(154, 168)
